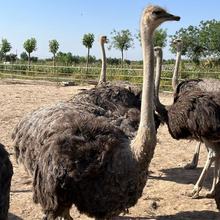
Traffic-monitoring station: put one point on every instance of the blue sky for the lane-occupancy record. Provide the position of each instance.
(68, 20)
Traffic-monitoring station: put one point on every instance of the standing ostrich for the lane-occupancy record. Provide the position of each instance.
(209, 85)
(76, 157)
(6, 172)
(103, 40)
(179, 45)
(175, 81)
(195, 114)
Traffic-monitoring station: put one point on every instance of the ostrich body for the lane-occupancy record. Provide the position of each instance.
(77, 157)
(6, 172)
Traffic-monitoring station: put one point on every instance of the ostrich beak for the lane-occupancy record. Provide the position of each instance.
(170, 17)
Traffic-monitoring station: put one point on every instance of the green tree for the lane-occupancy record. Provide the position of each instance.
(24, 56)
(65, 58)
(202, 41)
(193, 48)
(160, 37)
(121, 40)
(30, 45)
(5, 47)
(87, 41)
(53, 47)
(210, 37)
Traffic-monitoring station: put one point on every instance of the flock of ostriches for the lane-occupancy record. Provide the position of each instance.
(94, 150)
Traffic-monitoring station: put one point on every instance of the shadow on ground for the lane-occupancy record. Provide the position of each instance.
(196, 215)
(183, 176)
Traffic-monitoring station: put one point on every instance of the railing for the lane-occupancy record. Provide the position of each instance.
(80, 75)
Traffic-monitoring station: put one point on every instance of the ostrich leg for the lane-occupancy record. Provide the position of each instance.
(195, 159)
(198, 186)
(211, 193)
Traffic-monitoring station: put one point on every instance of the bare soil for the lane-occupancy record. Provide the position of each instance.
(165, 195)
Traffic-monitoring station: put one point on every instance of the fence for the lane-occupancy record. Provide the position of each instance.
(80, 75)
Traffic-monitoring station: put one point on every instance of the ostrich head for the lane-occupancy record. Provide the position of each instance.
(153, 16)
(178, 43)
(103, 40)
(157, 51)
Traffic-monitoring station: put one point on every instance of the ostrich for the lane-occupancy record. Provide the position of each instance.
(209, 85)
(77, 157)
(6, 173)
(175, 81)
(195, 114)
(103, 40)
(179, 44)
(121, 105)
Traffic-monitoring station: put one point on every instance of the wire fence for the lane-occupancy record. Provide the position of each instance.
(82, 75)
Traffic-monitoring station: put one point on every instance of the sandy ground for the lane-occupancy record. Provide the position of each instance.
(164, 196)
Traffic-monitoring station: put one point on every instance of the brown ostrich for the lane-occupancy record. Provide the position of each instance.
(195, 114)
(78, 157)
(6, 172)
(121, 104)
(210, 85)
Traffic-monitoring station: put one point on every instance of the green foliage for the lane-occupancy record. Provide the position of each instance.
(113, 61)
(53, 46)
(88, 40)
(160, 37)
(202, 41)
(122, 40)
(24, 56)
(30, 45)
(11, 57)
(65, 58)
(5, 47)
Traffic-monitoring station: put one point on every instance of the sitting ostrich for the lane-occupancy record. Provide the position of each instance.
(6, 172)
(76, 157)
(121, 104)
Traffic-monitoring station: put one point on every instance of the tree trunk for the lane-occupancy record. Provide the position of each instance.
(29, 61)
(54, 60)
(87, 62)
(122, 58)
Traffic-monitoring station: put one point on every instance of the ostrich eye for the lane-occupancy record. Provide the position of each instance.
(157, 12)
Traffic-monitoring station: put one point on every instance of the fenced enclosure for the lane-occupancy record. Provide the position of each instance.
(82, 75)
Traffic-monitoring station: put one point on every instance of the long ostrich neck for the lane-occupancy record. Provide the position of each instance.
(160, 108)
(158, 72)
(144, 143)
(103, 71)
(176, 70)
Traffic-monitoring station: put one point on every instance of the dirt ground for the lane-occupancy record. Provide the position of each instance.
(165, 195)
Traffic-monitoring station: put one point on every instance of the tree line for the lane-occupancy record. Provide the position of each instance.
(199, 42)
